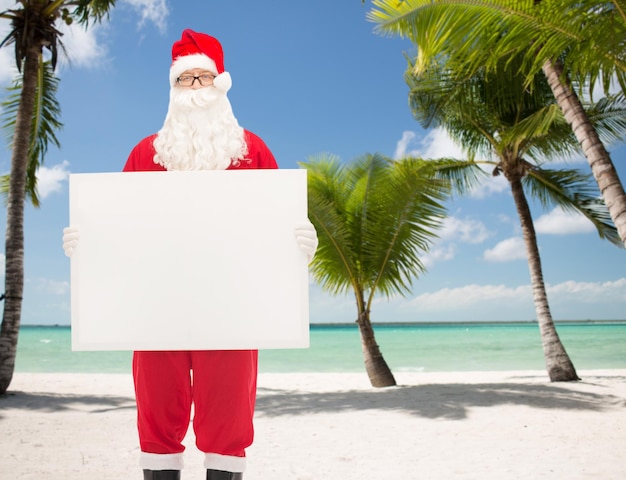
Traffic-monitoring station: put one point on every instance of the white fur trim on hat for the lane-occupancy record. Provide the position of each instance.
(188, 62)
(223, 82)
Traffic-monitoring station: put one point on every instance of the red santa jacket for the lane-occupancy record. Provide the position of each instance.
(141, 158)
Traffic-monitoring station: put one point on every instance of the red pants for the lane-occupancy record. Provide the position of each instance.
(220, 384)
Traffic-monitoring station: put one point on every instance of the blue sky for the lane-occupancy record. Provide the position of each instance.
(309, 78)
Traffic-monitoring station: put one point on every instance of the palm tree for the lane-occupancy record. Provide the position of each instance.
(495, 113)
(33, 28)
(580, 41)
(373, 218)
(44, 124)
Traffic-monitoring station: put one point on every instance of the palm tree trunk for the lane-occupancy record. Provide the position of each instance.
(598, 158)
(376, 367)
(14, 246)
(558, 363)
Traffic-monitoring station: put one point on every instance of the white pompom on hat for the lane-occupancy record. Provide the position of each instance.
(198, 50)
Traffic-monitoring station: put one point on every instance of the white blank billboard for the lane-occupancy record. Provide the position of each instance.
(188, 260)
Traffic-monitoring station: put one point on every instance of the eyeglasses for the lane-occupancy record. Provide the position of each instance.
(205, 80)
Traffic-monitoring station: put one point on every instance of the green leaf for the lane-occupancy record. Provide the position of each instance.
(45, 122)
(374, 218)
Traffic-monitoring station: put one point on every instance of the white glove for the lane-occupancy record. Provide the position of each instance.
(306, 236)
(70, 240)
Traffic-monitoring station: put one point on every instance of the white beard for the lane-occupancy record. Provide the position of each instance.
(200, 132)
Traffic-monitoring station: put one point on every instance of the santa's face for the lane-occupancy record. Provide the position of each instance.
(196, 78)
(200, 131)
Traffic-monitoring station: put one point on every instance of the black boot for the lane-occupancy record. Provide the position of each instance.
(222, 475)
(161, 475)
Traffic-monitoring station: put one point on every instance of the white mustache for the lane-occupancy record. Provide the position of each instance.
(190, 98)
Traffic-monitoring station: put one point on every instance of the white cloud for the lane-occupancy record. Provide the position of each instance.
(50, 180)
(53, 287)
(451, 299)
(152, 11)
(7, 4)
(559, 222)
(439, 253)
(454, 231)
(328, 308)
(402, 147)
(464, 230)
(82, 46)
(436, 144)
(589, 292)
(8, 70)
(483, 296)
(493, 185)
(506, 250)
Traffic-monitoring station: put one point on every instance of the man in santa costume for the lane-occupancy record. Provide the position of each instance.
(200, 132)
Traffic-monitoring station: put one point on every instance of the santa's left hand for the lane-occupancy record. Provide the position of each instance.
(306, 236)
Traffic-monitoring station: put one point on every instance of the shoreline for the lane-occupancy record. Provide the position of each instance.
(422, 324)
(326, 426)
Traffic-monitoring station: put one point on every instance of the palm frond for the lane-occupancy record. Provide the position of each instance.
(45, 123)
(608, 117)
(34, 25)
(87, 11)
(471, 34)
(573, 191)
(492, 111)
(462, 176)
(374, 217)
(328, 188)
(408, 213)
(542, 135)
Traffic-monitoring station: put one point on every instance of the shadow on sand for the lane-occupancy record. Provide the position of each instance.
(437, 401)
(56, 402)
(444, 401)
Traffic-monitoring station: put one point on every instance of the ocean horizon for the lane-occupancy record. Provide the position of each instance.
(382, 324)
(414, 347)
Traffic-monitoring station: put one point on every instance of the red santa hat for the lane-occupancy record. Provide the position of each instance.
(198, 50)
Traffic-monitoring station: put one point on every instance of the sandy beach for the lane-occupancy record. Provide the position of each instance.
(477, 425)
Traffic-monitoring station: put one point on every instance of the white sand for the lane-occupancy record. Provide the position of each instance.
(479, 425)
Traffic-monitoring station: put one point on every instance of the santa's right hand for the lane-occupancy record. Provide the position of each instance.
(70, 240)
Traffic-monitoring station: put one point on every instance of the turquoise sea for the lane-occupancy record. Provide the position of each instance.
(337, 348)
